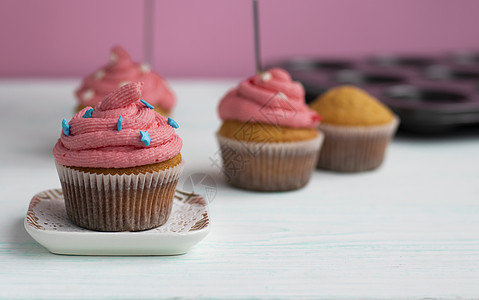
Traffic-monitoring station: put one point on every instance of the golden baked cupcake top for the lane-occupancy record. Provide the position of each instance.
(351, 106)
(265, 133)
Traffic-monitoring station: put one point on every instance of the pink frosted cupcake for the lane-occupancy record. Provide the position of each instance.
(119, 163)
(268, 138)
(120, 70)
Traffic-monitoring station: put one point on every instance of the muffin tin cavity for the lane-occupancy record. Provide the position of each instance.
(465, 75)
(450, 73)
(318, 64)
(332, 64)
(464, 57)
(417, 94)
(358, 77)
(402, 61)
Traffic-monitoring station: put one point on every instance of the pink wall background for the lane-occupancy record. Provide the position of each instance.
(213, 38)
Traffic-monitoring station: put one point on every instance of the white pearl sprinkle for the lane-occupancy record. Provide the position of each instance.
(113, 57)
(145, 68)
(88, 94)
(99, 74)
(300, 84)
(283, 96)
(123, 83)
(266, 76)
(166, 83)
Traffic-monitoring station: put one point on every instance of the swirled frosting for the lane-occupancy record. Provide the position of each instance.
(120, 70)
(97, 142)
(271, 98)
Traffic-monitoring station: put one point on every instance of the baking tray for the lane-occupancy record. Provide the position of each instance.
(430, 93)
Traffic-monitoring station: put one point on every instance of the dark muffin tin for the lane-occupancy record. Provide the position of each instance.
(429, 93)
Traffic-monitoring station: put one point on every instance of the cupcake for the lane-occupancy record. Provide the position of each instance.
(357, 128)
(268, 137)
(120, 70)
(119, 163)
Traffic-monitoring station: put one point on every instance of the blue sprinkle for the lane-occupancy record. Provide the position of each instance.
(145, 137)
(88, 113)
(147, 104)
(65, 127)
(173, 123)
(119, 123)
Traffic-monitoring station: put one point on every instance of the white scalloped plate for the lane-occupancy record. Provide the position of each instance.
(47, 223)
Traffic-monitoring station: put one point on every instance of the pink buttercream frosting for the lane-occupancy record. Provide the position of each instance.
(270, 97)
(120, 70)
(96, 142)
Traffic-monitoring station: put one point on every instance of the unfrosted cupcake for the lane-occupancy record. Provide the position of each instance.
(119, 163)
(357, 128)
(268, 138)
(120, 70)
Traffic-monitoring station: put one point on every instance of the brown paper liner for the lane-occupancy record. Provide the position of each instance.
(269, 166)
(119, 202)
(354, 148)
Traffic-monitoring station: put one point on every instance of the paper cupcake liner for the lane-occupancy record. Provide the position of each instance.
(119, 202)
(354, 148)
(269, 166)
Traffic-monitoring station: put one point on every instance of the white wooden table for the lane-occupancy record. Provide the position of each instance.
(407, 230)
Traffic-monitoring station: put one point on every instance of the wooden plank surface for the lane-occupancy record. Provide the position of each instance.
(407, 230)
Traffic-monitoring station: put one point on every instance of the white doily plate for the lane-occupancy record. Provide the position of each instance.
(47, 223)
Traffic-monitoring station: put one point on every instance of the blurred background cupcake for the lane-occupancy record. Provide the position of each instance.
(268, 138)
(120, 70)
(357, 128)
